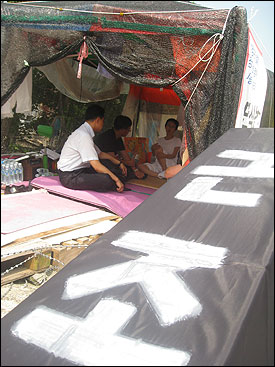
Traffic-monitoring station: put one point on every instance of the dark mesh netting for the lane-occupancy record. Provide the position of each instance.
(148, 43)
(268, 112)
(213, 108)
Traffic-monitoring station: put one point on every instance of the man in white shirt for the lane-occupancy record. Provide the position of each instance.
(82, 166)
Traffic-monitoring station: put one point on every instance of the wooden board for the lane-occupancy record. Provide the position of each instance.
(7, 239)
(63, 255)
(54, 231)
(60, 244)
(151, 182)
(16, 274)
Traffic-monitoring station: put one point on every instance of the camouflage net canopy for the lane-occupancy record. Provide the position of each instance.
(198, 51)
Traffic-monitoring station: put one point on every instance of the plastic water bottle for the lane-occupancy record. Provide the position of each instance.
(6, 173)
(16, 172)
(11, 171)
(3, 174)
(20, 172)
(2, 171)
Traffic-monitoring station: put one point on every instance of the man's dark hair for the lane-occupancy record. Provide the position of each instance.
(122, 122)
(175, 122)
(93, 112)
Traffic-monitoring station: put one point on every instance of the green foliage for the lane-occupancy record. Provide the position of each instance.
(72, 112)
(13, 131)
(47, 104)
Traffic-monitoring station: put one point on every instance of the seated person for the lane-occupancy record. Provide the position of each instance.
(111, 142)
(172, 171)
(82, 166)
(165, 150)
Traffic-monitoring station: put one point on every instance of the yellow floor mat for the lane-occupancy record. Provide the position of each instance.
(152, 182)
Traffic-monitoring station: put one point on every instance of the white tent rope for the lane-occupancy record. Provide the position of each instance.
(213, 49)
(200, 58)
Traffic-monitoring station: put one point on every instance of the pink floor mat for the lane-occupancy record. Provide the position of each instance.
(27, 209)
(119, 203)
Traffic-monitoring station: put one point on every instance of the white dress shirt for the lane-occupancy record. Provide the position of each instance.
(79, 149)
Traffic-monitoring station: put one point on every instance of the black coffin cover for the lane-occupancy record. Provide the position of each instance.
(184, 279)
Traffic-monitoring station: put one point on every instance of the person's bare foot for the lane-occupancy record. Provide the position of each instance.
(139, 174)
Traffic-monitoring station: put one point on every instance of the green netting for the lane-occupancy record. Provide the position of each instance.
(26, 19)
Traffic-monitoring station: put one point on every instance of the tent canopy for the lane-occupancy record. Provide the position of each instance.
(198, 52)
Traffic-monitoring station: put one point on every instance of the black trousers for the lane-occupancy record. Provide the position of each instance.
(89, 179)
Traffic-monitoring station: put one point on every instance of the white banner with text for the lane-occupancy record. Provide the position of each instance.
(253, 90)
